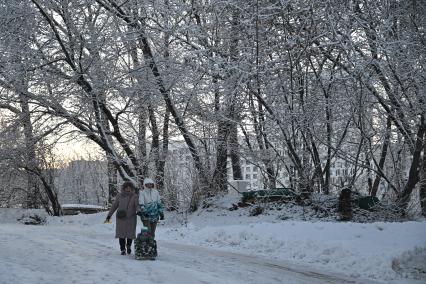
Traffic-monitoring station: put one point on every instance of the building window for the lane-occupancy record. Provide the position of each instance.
(255, 170)
(337, 172)
(247, 176)
(254, 176)
(247, 169)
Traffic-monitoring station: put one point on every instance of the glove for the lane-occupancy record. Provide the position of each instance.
(161, 216)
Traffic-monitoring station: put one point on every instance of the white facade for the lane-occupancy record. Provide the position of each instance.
(251, 174)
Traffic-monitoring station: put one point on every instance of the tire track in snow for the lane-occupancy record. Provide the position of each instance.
(264, 265)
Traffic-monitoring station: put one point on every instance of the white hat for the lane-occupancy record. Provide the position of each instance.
(147, 181)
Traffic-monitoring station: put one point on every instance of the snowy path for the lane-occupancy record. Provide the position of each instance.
(60, 254)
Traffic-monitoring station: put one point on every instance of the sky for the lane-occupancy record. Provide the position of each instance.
(77, 149)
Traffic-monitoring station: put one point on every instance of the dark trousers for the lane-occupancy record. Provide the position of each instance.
(123, 243)
(151, 227)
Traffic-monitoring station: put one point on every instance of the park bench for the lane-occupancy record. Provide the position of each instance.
(74, 209)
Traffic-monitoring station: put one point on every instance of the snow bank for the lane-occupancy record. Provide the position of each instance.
(359, 250)
(366, 250)
(379, 250)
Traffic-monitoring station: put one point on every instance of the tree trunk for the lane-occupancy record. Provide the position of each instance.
(100, 79)
(164, 152)
(262, 139)
(142, 107)
(383, 155)
(112, 180)
(220, 174)
(48, 185)
(413, 176)
(154, 154)
(34, 196)
(423, 183)
(329, 145)
(231, 93)
(142, 126)
(33, 199)
(345, 206)
(269, 165)
(160, 175)
(233, 151)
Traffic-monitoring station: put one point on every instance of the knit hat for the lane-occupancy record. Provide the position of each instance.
(147, 181)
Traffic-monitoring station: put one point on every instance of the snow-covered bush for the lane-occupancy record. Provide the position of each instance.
(32, 219)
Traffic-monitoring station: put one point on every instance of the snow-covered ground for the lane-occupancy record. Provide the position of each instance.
(214, 245)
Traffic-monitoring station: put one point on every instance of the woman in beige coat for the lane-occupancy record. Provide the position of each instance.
(127, 206)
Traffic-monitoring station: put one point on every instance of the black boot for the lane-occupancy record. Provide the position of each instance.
(129, 246)
(129, 249)
(122, 242)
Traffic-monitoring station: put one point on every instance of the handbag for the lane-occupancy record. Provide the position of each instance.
(122, 213)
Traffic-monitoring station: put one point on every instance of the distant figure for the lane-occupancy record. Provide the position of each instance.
(126, 204)
(151, 208)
